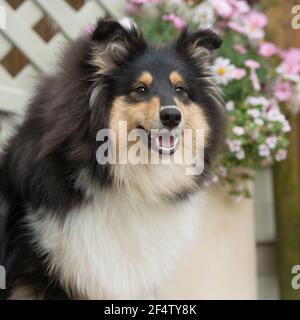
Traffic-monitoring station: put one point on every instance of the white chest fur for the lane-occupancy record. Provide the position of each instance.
(115, 249)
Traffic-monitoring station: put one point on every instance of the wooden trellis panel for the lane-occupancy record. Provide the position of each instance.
(36, 31)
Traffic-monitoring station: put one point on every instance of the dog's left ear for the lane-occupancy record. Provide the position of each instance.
(112, 44)
(198, 44)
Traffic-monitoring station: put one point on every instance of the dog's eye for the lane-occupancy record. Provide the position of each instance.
(179, 89)
(141, 89)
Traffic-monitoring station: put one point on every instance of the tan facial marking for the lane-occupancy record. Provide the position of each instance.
(145, 78)
(145, 114)
(194, 119)
(176, 78)
(141, 113)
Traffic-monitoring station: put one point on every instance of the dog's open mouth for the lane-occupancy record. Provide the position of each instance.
(167, 144)
(162, 141)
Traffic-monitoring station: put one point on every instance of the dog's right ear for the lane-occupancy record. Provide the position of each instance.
(198, 45)
(112, 44)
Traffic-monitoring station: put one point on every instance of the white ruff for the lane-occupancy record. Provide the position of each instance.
(116, 247)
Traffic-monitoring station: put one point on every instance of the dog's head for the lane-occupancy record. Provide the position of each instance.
(114, 76)
(156, 88)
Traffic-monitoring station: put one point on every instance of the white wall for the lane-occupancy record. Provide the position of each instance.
(221, 263)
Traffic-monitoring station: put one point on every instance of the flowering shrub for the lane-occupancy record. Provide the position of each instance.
(257, 78)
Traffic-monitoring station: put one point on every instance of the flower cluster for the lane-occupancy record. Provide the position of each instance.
(258, 79)
(256, 138)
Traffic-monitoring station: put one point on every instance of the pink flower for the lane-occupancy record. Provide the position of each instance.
(271, 142)
(272, 113)
(229, 8)
(264, 150)
(250, 23)
(236, 27)
(259, 122)
(281, 155)
(234, 145)
(240, 6)
(239, 131)
(290, 67)
(255, 113)
(267, 49)
(254, 23)
(253, 65)
(291, 56)
(239, 49)
(222, 8)
(286, 127)
(257, 19)
(254, 80)
(177, 22)
(289, 70)
(238, 73)
(282, 91)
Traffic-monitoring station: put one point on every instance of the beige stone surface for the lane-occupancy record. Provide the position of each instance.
(221, 262)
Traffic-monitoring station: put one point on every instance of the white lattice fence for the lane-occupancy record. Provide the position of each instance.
(20, 34)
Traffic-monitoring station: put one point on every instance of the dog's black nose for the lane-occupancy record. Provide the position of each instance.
(170, 117)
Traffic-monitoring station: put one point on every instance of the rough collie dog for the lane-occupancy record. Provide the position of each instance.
(76, 228)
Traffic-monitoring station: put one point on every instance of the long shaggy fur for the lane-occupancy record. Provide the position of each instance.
(71, 230)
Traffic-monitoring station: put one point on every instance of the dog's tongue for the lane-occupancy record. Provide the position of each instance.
(166, 142)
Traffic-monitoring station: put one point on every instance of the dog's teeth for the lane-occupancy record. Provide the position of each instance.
(171, 147)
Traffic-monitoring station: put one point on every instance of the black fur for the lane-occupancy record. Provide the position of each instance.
(57, 138)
